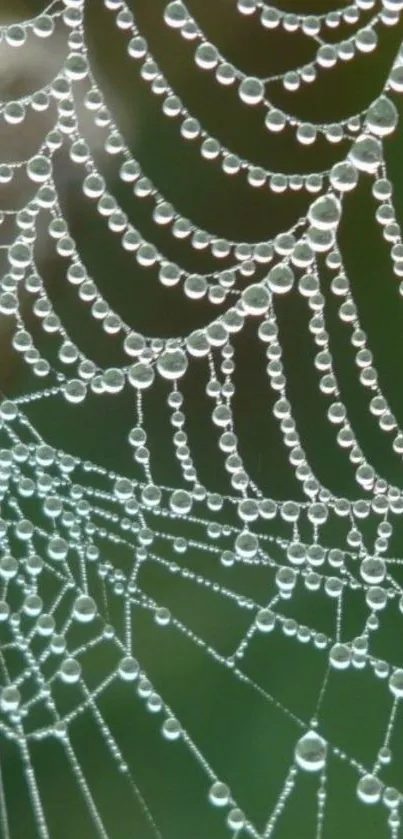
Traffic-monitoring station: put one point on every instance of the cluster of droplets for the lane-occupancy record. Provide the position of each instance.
(253, 90)
(80, 521)
(80, 518)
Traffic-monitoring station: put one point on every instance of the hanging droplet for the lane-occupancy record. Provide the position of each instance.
(366, 39)
(175, 14)
(141, 375)
(366, 153)
(255, 299)
(344, 176)
(180, 502)
(382, 117)
(246, 545)
(369, 789)
(396, 683)
(219, 794)
(310, 752)
(15, 35)
(236, 819)
(251, 90)
(19, 255)
(14, 113)
(197, 343)
(39, 168)
(84, 609)
(70, 671)
(76, 67)
(75, 391)
(172, 364)
(275, 120)
(265, 620)
(325, 212)
(280, 279)
(128, 669)
(10, 699)
(206, 56)
(171, 729)
(373, 570)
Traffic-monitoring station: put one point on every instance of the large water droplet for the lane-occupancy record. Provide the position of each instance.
(310, 752)
(84, 609)
(280, 279)
(372, 570)
(39, 168)
(325, 212)
(70, 671)
(255, 299)
(171, 729)
(382, 117)
(369, 789)
(180, 502)
(251, 90)
(219, 794)
(172, 364)
(343, 176)
(128, 669)
(175, 14)
(366, 153)
(10, 698)
(141, 375)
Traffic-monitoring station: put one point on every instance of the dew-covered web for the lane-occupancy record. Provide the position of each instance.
(200, 469)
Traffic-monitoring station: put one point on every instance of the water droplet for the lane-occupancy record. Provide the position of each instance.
(195, 286)
(310, 752)
(14, 113)
(93, 186)
(39, 168)
(246, 545)
(75, 391)
(251, 90)
(280, 279)
(171, 729)
(175, 14)
(84, 609)
(172, 364)
(275, 120)
(180, 502)
(219, 794)
(70, 671)
(366, 153)
(76, 66)
(373, 570)
(255, 299)
(15, 35)
(396, 683)
(369, 789)
(265, 620)
(128, 669)
(382, 117)
(19, 255)
(197, 343)
(10, 699)
(206, 56)
(325, 212)
(141, 375)
(162, 616)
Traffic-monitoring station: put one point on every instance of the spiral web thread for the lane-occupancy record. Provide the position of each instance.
(77, 539)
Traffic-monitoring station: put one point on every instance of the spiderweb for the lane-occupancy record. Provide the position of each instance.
(223, 562)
